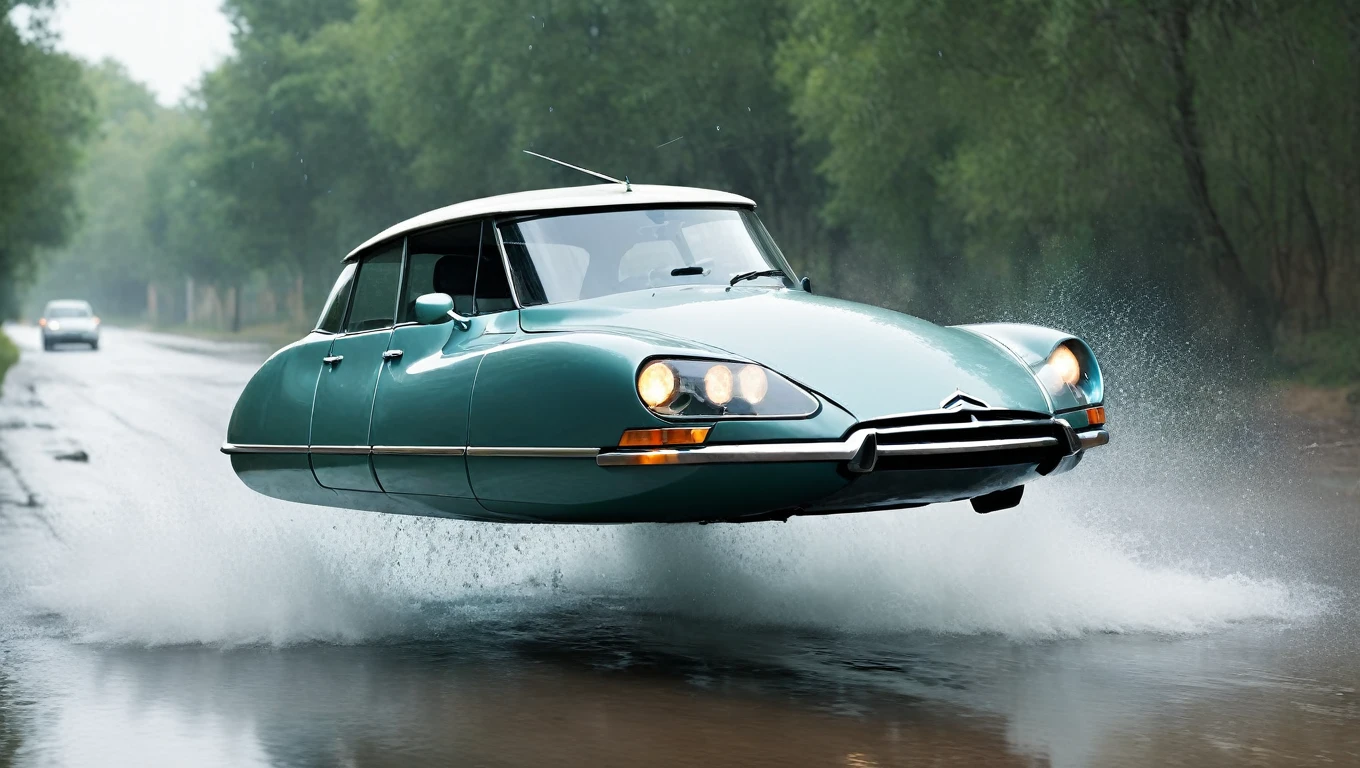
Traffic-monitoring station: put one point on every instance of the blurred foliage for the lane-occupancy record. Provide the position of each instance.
(953, 158)
(44, 116)
(1324, 358)
(9, 355)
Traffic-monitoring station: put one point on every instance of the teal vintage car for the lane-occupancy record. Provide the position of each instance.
(628, 353)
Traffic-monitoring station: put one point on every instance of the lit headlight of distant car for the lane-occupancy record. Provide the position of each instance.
(716, 388)
(54, 326)
(1071, 368)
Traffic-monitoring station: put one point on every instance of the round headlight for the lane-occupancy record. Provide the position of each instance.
(718, 385)
(656, 384)
(1065, 363)
(754, 384)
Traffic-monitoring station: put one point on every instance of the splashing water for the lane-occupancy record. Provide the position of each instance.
(202, 560)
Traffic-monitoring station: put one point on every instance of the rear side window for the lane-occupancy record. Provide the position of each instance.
(375, 291)
(333, 315)
(67, 310)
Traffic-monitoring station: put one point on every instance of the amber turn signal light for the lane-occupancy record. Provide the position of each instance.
(42, 321)
(1096, 416)
(656, 438)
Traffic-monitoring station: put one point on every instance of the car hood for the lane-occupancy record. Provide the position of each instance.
(873, 362)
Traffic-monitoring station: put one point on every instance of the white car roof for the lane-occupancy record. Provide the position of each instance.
(563, 198)
(80, 303)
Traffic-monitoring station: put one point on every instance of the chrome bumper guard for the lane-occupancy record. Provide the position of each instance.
(863, 448)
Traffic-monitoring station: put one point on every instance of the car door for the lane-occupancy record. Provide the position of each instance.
(343, 405)
(420, 413)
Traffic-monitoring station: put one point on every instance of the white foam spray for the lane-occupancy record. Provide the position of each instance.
(203, 560)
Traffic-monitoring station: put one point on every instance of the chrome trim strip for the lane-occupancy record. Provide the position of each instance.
(968, 446)
(415, 450)
(1093, 438)
(965, 425)
(419, 450)
(796, 452)
(230, 448)
(849, 448)
(532, 453)
(1043, 417)
(730, 454)
(505, 261)
(962, 401)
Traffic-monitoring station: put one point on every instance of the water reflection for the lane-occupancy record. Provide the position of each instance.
(611, 684)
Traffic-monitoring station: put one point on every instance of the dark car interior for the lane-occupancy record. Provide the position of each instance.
(462, 261)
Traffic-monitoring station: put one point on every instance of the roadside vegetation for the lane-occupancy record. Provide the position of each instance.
(9, 355)
(958, 159)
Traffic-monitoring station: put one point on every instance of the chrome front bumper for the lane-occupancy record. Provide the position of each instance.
(863, 448)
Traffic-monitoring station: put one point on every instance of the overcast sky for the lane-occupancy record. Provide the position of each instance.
(166, 44)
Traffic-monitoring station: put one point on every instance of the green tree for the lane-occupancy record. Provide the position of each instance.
(659, 92)
(111, 256)
(1198, 143)
(43, 122)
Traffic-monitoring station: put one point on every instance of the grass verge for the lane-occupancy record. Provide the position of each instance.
(1324, 358)
(9, 355)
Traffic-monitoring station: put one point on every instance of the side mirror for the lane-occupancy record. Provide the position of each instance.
(807, 284)
(433, 308)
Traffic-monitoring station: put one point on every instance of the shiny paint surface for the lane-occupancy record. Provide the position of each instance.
(1032, 344)
(566, 380)
(577, 490)
(344, 403)
(872, 362)
(423, 399)
(276, 405)
(501, 417)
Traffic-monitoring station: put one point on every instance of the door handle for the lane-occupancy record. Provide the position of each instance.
(333, 359)
(392, 354)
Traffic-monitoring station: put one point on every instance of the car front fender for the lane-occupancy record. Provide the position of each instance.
(1032, 345)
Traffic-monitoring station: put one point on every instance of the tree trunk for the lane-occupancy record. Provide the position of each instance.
(1318, 246)
(236, 309)
(1224, 259)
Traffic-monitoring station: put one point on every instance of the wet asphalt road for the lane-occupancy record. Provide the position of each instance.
(154, 611)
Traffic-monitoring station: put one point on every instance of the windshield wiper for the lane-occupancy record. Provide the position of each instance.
(757, 273)
(685, 271)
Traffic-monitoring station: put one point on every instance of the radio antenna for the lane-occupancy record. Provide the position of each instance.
(628, 185)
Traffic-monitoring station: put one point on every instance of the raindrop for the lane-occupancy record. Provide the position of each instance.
(531, 46)
(717, 128)
(594, 31)
(550, 109)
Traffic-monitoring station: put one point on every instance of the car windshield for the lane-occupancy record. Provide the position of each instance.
(67, 310)
(570, 257)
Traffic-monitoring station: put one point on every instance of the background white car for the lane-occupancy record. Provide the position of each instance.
(69, 321)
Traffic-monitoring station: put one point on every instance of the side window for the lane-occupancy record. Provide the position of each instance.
(442, 261)
(493, 289)
(333, 315)
(375, 293)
